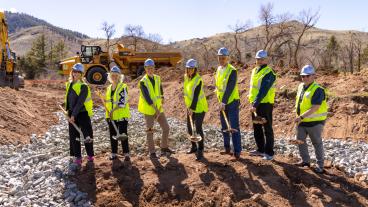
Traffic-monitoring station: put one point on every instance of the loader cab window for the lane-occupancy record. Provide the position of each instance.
(87, 53)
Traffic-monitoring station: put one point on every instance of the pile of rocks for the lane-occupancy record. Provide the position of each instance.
(38, 173)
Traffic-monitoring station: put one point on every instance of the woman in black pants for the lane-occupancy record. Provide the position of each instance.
(117, 112)
(196, 104)
(78, 103)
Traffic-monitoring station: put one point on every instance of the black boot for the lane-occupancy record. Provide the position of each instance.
(192, 150)
(199, 154)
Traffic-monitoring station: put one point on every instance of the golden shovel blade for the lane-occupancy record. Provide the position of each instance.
(259, 120)
(195, 138)
(151, 130)
(296, 142)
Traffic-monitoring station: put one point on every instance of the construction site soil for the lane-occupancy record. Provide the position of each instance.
(178, 180)
(181, 181)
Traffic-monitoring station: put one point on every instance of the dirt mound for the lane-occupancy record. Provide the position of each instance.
(215, 181)
(25, 112)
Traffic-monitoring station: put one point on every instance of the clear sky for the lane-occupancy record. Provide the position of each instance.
(179, 20)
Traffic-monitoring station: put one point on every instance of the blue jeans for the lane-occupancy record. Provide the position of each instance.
(232, 113)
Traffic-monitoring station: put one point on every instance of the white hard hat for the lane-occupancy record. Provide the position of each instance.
(223, 52)
(191, 63)
(115, 69)
(78, 67)
(149, 62)
(307, 70)
(261, 54)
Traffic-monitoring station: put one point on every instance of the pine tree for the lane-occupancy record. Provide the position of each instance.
(35, 60)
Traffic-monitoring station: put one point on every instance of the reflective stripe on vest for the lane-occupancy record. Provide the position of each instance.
(255, 85)
(76, 87)
(189, 88)
(119, 112)
(222, 79)
(306, 103)
(154, 93)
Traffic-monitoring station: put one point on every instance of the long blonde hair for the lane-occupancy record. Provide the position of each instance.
(122, 77)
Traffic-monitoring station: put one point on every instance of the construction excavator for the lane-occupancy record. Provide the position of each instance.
(8, 74)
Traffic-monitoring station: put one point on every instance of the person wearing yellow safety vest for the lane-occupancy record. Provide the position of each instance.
(116, 99)
(262, 97)
(196, 103)
(150, 104)
(78, 104)
(228, 96)
(311, 108)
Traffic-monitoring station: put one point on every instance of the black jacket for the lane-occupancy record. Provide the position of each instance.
(75, 103)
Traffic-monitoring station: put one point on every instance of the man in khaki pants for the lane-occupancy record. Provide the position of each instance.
(150, 104)
(311, 108)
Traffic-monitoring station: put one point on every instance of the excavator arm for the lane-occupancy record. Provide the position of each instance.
(8, 75)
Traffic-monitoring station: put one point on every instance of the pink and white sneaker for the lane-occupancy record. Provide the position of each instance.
(78, 161)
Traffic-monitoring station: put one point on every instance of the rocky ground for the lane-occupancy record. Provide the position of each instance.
(39, 173)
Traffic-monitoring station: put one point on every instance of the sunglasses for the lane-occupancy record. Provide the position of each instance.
(190, 68)
(74, 71)
(305, 76)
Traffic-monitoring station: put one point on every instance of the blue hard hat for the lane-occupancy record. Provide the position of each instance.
(149, 62)
(115, 69)
(307, 70)
(78, 67)
(191, 63)
(261, 54)
(223, 52)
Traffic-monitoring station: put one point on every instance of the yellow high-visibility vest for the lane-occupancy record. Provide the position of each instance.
(189, 87)
(255, 85)
(306, 103)
(154, 93)
(222, 79)
(112, 103)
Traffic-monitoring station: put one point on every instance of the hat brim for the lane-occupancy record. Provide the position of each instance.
(257, 57)
(306, 73)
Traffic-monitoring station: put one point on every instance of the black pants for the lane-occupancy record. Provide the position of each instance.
(198, 121)
(264, 110)
(84, 123)
(123, 128)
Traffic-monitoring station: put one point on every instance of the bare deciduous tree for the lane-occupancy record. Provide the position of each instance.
(109, 30)
(156, 40)
(206, 55)
(237, 28)
(277, 31)
(135, 32)
(359, 51)
(308, 18)
(268, 19)
(348, 52)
